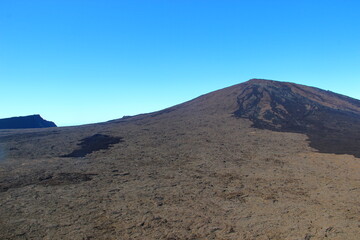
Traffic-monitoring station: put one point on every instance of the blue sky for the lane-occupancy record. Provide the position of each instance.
(77, 62)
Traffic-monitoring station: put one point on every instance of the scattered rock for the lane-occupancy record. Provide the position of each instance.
(121, 174)
(308, 237)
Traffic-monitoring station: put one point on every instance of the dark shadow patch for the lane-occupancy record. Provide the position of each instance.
(45, 180)
(277, 108)
(94, 143)
(65, 178)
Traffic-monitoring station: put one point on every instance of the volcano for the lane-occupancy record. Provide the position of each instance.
(259, 160)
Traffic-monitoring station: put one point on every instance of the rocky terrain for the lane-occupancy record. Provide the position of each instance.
(258, 160)
(331, 121)
(33, 121)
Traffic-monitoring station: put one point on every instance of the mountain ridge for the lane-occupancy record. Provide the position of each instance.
(31, 121)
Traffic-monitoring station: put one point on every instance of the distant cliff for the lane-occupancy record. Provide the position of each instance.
(33, 121)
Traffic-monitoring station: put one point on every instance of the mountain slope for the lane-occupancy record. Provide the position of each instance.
(232, 164)
(331, 121)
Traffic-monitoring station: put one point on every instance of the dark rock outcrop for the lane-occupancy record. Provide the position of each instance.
(33, 121)
(330, 120)
(94, 143)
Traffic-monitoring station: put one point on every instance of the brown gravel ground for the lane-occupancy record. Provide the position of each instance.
(191, 172)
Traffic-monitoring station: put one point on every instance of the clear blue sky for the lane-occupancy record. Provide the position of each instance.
(77, 62)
